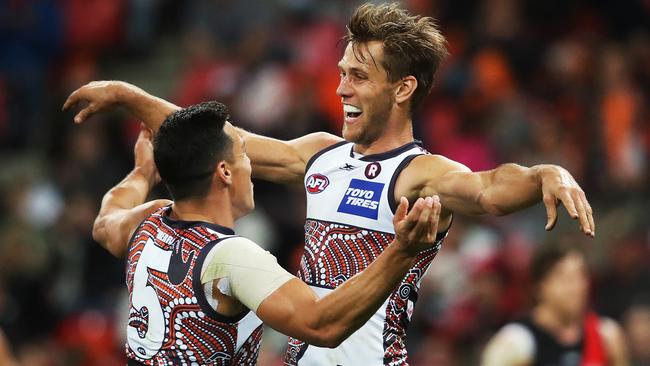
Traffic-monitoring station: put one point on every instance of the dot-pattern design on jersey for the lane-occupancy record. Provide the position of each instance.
(191, 336)
(335, 252)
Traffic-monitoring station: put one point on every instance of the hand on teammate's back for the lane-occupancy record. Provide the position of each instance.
(417, 230)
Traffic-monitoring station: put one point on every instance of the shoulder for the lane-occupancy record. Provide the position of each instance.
(518, 336)
(425, 169)
(612, 334)
(234, 249)
(314, 142)
(323, 139)
(437, 164)
(314, 145)
(233, 254)
(514, 344)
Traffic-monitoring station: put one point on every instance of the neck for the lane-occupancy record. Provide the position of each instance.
(215, 210)
(565, 329)
(395, 135)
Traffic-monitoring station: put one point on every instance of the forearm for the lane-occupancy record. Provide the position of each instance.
(347, 308)
(147, 108)
(509, 188)
(129, 193)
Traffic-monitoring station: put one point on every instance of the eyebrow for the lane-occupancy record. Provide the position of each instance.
(352, 69)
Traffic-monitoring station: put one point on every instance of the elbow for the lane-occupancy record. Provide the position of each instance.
(99, 231)
(490, 206)
(328, 339)
(329, 336)
(496, 210)
(332, 343)
(100, 236)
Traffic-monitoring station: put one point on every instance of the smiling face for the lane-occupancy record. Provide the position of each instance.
(366, 92)
(240, 167)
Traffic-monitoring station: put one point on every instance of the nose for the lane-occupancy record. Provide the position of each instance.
(344, 90)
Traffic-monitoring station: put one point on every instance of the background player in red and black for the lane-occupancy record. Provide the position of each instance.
(560, 330)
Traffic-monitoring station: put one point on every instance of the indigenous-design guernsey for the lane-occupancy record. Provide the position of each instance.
(170, 320)
(350, 208)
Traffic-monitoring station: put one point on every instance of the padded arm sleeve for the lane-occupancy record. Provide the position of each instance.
(252, 272)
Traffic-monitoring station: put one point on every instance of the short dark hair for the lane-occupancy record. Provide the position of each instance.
(188, 146)
(412, 44)
(547, 255)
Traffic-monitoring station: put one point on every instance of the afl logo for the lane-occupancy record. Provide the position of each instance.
(316, 183)
(373, 170)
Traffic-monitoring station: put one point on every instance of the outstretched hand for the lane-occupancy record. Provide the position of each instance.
(98, 95)
(558, 185)
(417, 230)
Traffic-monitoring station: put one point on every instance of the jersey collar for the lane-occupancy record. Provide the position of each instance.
(387, 154)
(180, 224)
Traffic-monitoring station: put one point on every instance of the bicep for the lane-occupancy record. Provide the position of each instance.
(257, 281)
(457, 186)
(252, 272)
(284, 161)
(462, 191)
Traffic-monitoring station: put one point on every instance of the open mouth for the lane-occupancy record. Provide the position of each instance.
(351, 112)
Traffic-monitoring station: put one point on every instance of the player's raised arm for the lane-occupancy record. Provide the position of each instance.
(284, 161)
(273, 160)
(122, 207)
(98, 96)
(291, 307)
(505, 189)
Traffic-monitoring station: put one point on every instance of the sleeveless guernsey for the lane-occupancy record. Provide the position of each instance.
(170, 320)
(350, 207)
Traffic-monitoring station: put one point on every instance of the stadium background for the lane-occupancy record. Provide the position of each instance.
(557, 81)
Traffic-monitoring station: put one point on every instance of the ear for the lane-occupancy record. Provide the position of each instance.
(405, 89)
(223, 173)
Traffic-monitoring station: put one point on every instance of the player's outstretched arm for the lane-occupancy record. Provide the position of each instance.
(294, 309)
(508, 188)
(122, 207)
(98, 96)
(273, 160)
(283, 161)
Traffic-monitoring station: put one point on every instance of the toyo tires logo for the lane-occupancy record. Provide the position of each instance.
(316, 183)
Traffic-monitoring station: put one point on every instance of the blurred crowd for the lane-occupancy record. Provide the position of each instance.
(555, 81)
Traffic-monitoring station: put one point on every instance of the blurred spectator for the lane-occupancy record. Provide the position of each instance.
(636, 322)
(560, 329)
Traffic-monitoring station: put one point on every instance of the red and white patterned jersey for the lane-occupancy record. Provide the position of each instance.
(350, 208)
(170, 319)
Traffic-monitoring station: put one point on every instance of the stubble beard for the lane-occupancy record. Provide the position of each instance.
(373, 125)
